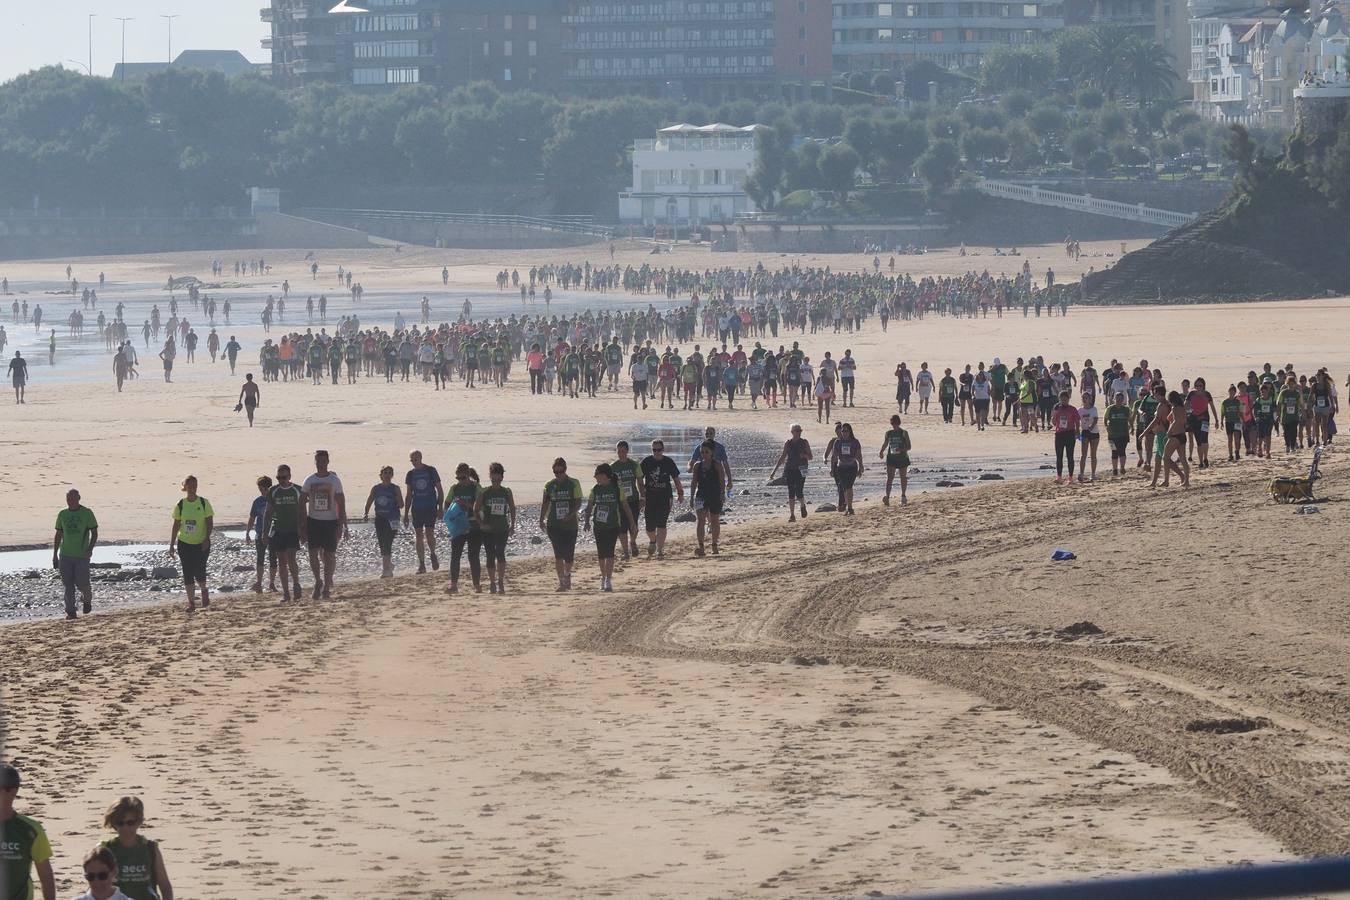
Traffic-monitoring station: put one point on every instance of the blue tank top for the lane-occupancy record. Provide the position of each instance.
(386, 501)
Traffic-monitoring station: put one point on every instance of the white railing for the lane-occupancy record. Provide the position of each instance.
(1030, 193)
(569, 224)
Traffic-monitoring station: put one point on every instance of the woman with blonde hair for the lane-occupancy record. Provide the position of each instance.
(136, 860)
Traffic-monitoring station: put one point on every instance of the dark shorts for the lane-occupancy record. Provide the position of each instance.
(564, 541)
(897, 460)
(658, 511)
(605, 539)
(1235, 428)
(192, 557)
(844, 476)
(260, 547)
(633, 505)
(1118, 446)
(796, 484)
(424, 518)
(322, 534)
(281, 541)
(711, 505)
(384, 534)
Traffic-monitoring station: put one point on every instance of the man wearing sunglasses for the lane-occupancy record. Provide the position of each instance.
(23, 846)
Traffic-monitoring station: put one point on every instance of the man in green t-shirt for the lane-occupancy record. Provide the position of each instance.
(558, 518)
(23, 846)
(76, 535)
(629, 475)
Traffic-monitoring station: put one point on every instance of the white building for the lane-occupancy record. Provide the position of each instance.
(691, 175)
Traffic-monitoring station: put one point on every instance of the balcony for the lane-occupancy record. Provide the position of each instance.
(313, 67)
(311, 39)
(624, 47)
(667, 72)
(266, 43)
(664, 18)
(265, 14)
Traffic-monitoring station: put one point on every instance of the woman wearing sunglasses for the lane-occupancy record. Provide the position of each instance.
(141, 874)
(100, 870)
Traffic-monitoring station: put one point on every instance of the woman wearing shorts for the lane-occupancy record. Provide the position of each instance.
(467, 490)
(607, 510)
(1090, 435)
(980, 392)
(895, 447)
(904, 385)
(848, 465)
(496, 511)
(707, 495)
(558, 519)
(824, 397)
(796, 457)
(924, 383)
(1176, 442)
(387, 498)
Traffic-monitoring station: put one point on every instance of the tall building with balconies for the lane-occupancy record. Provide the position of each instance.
(955, 34)
(708, 50)
(512, 43)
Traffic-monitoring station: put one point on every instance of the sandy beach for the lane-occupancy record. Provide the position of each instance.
(907, 699)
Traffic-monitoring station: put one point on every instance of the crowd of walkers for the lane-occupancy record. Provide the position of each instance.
(126, 866)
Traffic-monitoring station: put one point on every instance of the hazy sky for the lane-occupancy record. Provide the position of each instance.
(35, 33)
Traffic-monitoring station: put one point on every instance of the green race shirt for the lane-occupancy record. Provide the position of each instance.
(285, 503)
(1117, 422)
(1290, 403)
(895, 441)
(22, 844)
(497, 503)
(1264, 409)
(1232, 410)
(605, 500)
(75, 525)
(626, 471)
(135, 867)
(191, 516)
(562, 495)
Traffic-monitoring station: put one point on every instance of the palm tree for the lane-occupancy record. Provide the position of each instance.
(1110, 50)
(1148, 72)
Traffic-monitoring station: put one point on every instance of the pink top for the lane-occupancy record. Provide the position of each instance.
(1065, 418)
(535, 359)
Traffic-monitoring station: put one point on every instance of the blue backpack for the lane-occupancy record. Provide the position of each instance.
(456, 519)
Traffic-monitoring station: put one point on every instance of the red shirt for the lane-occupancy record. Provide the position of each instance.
(1065, 418)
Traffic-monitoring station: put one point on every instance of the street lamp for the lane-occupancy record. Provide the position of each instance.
(80, 64)
(124, 20)
(91, 44)
(169, 19)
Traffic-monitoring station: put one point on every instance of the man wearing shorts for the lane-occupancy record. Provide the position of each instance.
(659, 474)
(283, 523)
(76, 535)
(426, 498)
(1117, 418)
(795, 460)
(325, 508)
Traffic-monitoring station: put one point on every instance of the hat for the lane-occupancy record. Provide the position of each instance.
(9, 777)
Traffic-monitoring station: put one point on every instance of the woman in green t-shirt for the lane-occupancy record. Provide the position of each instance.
(496, 512)
(141, 874)
(558, 518)
(607, 508)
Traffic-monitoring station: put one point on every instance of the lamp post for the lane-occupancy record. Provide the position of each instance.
(169, 19)
(91, 44)
(124, 20)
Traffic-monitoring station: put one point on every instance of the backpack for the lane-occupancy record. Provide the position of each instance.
(456, 519)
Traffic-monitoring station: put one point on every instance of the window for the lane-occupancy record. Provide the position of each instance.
(506, 48)
(885, 10)
(532, 23)
(801, 60)
(403, 76)
(506, 23)
(487, 49)
(532, 48)
(506, 74)
(367, 76)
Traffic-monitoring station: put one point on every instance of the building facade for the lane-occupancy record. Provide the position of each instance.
(691, 175)
(708, 50)
(512, 43)
(955, 34)
(1247, 63)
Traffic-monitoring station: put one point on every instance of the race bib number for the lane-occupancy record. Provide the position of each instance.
(189, 527)
(1064, 423)
(497, 506)
(1322, 402)
(845, 451)
(602, 515)
(803, 468)
(322, 503)
(1290, 407)
(1204, 427)
(560, 510)
(698, 503)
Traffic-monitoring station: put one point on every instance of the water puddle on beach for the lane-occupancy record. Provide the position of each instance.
(15, 562)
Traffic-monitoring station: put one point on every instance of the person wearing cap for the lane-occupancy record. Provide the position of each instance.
(23, 846)
(719, 455)
(73, 545)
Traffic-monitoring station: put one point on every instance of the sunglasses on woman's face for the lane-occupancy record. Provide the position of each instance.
(102, 875)
(129, 823)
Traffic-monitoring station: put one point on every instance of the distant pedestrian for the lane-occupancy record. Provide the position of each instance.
(76, 535)
(190, 540)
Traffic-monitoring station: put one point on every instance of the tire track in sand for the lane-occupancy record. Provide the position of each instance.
(1290, 776)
